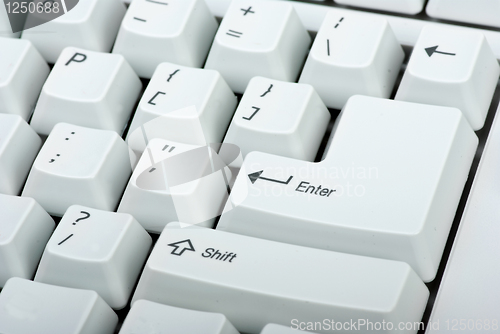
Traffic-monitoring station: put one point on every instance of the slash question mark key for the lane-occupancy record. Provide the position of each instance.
(87, 215)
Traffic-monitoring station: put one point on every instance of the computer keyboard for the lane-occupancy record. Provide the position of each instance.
(251, 166)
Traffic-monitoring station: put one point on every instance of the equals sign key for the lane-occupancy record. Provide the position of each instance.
(234, 33)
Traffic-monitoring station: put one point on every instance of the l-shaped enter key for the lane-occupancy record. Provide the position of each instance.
(388, 187)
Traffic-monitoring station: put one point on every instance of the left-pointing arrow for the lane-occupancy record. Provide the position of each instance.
(181, 246)
(255, 176)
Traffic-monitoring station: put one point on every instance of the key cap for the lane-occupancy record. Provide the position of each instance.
(483, 12)
(149, 317)
(397, 6)
(380, 170)
(176, 31)
(91, 89)
(278, 117)
(164, 107)
(28, 307)
(78, 165)
(91, 25)
(468, 299)
(19, 145)
(96, 250)
(25, 228)
(352, 54)
(278, 329)
(195, 195)
(258, 38)
(207, 270)
(452, 68)
(22, 74)
(5, 28)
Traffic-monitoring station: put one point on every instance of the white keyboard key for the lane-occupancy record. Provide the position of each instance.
(22, 74)
(398, 6)
(96, 250)
(86, 88)
(91, 25)
(279, 117)
(209, 270)
(28, 307)
(149, 317)
(25, 228)
(78, 165)
(156, 200)
(176, 31)
(483, 12)
(5, 27)
(259, 38)
(164, 113)
(468, 299)
(452, 67)
(380, 170)
(352, 54)
(19, 145)
(293, 329)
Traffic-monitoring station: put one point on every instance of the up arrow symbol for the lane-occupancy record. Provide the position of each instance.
(181, 246)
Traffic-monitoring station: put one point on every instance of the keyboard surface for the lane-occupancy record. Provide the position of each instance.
(100, 156)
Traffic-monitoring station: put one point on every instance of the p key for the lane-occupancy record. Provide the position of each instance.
(86, 88)
(388, 186)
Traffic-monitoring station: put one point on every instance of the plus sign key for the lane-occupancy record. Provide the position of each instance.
(259, 38)
(96, 250)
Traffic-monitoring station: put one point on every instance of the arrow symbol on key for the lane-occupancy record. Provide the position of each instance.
(432, 50)
(255, 176)
(181, 246)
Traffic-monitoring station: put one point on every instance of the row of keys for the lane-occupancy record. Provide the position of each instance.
(344, 61)
(105, 251)
(91, 167)
(28, 307)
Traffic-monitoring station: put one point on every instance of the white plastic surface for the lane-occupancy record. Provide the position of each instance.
(22, 74)
(352, 54)
(28, 307)
(91, 25)
(19, 146)
(182, 104)
(469, 295)
(155, 201)
(483, 12)
(25, 228)
(388, 187)
(149, 317)
(258, 38)
(452, 68)
(398, 6)
(279, 329)
(210, 270)
(176, 31)
(279, 117)
(96, 250)
(87, 88)
(78, 165)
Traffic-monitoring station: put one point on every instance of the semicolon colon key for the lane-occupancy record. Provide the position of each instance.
(388, 186)
(214, 271)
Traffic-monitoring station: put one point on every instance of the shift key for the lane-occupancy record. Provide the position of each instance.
(254, 282)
